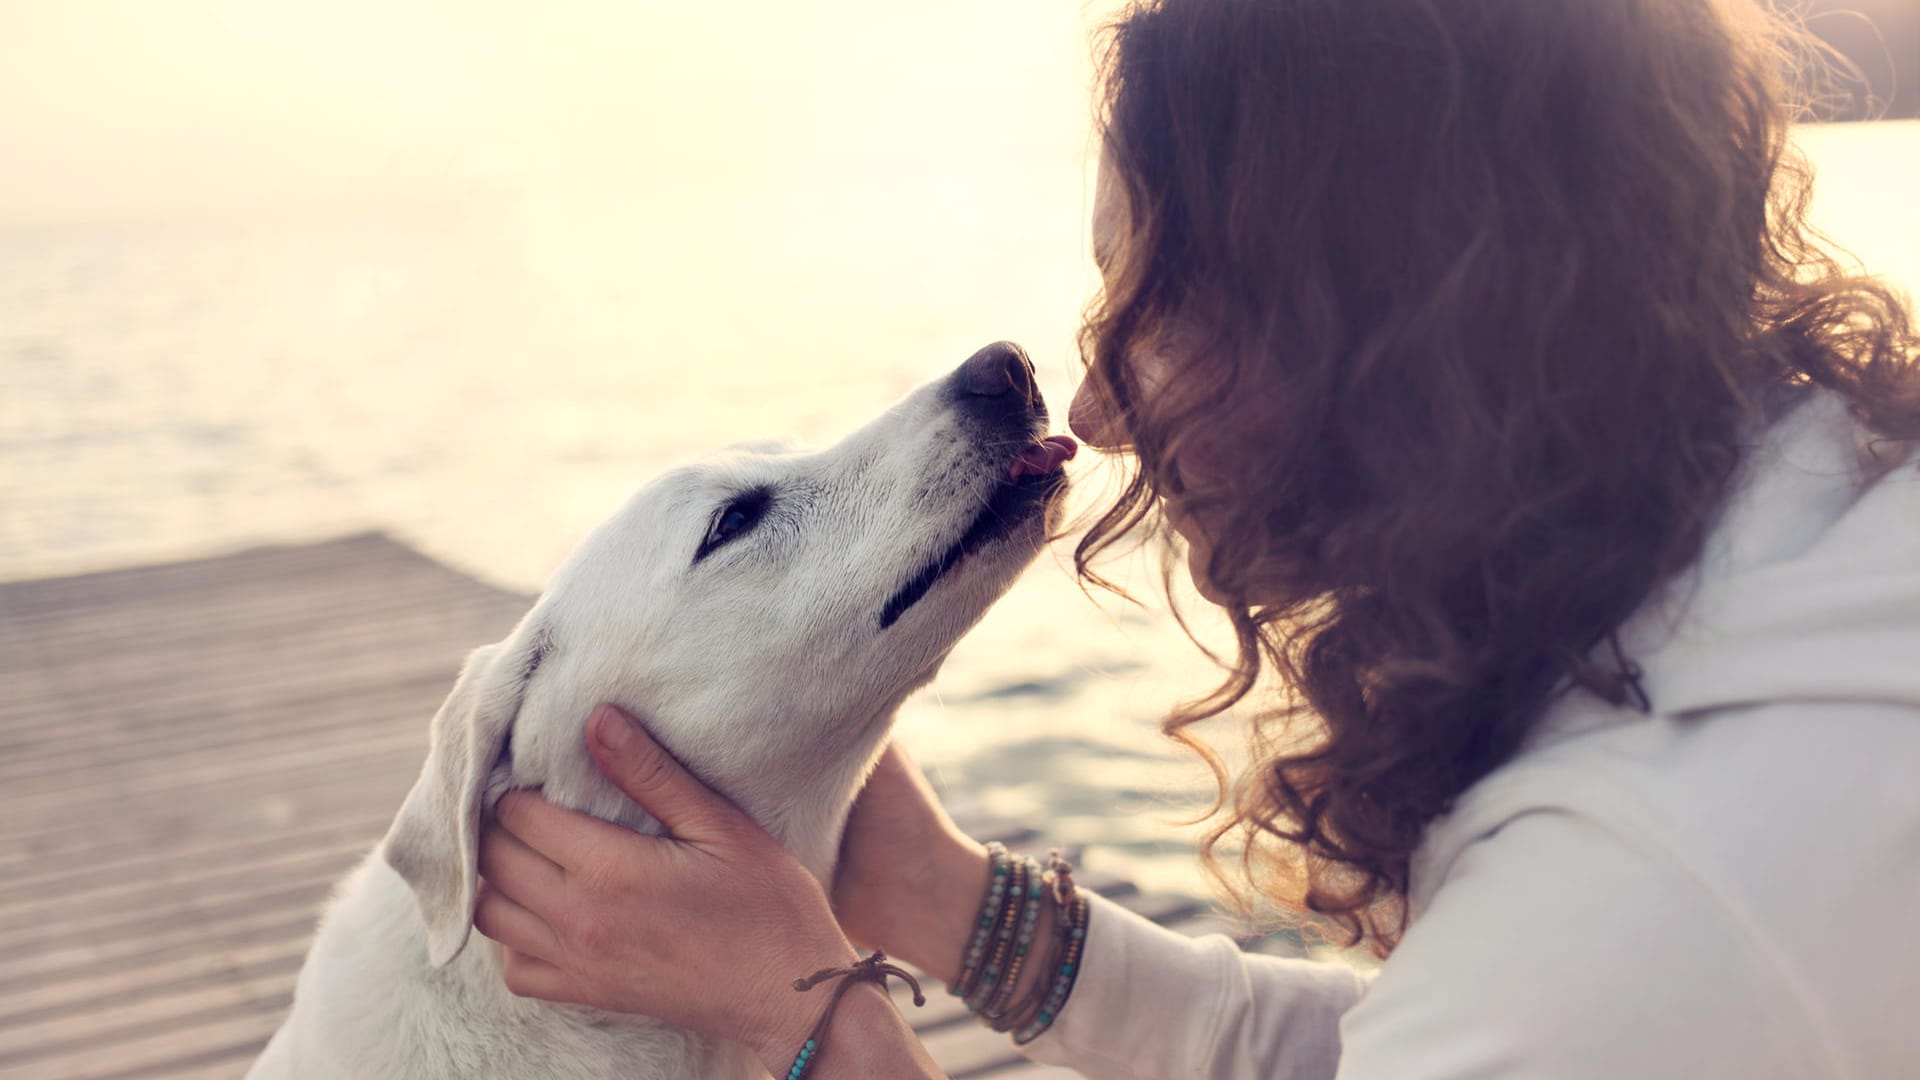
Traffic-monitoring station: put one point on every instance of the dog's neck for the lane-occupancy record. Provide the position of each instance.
(804, 809)
(809, 818)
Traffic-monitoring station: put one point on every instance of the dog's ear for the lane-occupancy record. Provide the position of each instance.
(435, 841)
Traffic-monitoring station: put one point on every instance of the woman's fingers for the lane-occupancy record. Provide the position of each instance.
(529, 976)
(650, 776)
(703, 931)
(567, 839)
(519, 930)
(517, 869)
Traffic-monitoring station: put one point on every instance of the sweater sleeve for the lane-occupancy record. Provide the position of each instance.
(1150, 1003)
(1555, 947)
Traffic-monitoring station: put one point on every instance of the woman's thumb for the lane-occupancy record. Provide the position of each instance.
(650, 776)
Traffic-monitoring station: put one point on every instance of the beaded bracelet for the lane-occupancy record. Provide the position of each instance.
(990, 905)
(1071, 947)
(996, 1004)
(1003, 939)
(999, 936)
(1012, 913)
(1048, 996)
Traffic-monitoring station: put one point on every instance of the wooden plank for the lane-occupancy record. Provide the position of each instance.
(291, 919)
(46, 875)
(195, 774)
(248, 814)
(195, 1042)
(273, 965)
(123, 936)
(77, 1030)
(400, 710)
(105, 674)
(246, 571)
(166, 852)
(196, 620)
(163, 897)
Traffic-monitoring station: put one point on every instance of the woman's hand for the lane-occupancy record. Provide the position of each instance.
(909, 881)
(706, 929)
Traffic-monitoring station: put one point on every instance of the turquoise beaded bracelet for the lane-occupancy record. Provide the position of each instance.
(990, 905)
(1022, 891)
(1003, 938)
(801, 1063)
(1074, 939)
(997, 1003)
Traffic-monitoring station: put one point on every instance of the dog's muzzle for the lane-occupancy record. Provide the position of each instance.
(997, 389)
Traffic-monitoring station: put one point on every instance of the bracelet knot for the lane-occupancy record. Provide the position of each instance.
(875, 969)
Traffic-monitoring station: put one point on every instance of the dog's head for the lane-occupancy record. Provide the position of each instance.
(764, 612)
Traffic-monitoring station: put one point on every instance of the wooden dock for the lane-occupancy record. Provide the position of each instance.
(191, 755)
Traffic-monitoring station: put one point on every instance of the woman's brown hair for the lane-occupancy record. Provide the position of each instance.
(1463, 311)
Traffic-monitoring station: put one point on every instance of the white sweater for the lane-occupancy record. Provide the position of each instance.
(1729, 887)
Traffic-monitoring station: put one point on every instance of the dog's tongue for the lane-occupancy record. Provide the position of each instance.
(1044, 456)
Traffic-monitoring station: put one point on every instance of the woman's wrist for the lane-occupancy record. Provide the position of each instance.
(932, 920)
(999, 979)
(865, 1036)
(780, 1022)
(931, 929)
(868, 1037)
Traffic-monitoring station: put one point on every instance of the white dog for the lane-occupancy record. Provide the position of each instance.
(766, 614)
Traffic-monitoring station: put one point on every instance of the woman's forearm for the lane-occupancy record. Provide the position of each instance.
(911, 883)
(935, 913)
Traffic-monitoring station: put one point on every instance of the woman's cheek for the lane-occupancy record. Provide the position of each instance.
(1199, 552)
(1197, 556)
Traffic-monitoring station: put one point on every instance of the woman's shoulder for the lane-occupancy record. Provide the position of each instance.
(1784, 703)
(1717, 792)
(1760, 858)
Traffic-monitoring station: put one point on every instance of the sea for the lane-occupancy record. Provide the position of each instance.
(487, 377)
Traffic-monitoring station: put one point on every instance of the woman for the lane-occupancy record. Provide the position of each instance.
(1480, 354)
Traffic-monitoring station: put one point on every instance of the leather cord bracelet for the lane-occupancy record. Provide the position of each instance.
(873, 969)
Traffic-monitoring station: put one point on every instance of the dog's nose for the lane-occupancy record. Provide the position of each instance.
(1000, 368)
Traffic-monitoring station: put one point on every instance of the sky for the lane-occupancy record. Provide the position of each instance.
(126, 108)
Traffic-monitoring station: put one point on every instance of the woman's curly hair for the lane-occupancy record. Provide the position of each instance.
(1462, 311)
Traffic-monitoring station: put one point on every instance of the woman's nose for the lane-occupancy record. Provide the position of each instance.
(1088, 420)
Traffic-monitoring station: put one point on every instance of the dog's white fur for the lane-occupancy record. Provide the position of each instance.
(762, 666)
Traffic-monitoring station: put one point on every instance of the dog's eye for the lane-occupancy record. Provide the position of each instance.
(734, 519)
(732, 522)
